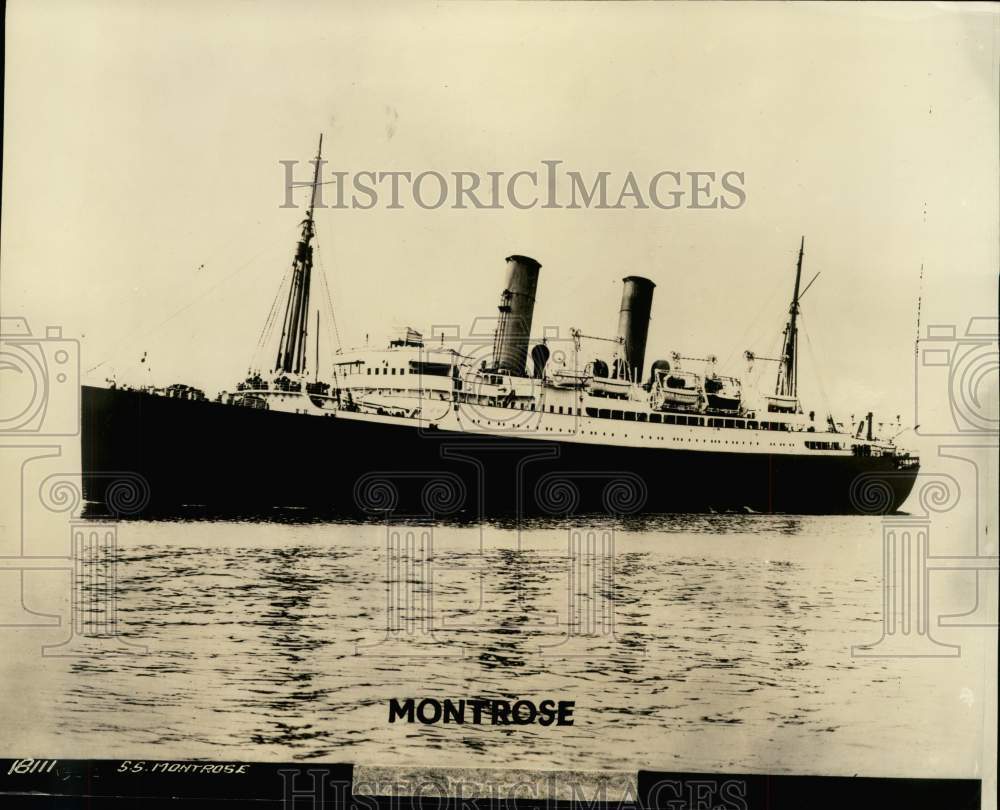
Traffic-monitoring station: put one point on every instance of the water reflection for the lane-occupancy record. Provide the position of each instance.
(277, 641)
(702, 522)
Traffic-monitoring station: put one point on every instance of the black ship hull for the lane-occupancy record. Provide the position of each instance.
(148, 455)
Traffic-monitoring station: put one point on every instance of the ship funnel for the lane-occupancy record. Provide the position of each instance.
(633, 323)
(517, 305)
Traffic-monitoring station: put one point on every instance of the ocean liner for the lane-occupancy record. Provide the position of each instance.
(505, 426)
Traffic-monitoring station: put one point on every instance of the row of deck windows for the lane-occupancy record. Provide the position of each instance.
(682, 419)
(637, 416)
(655, 418)
(427, 369)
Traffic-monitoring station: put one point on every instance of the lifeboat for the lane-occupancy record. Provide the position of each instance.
(608, 387)
(676, 389)
(566, 378)
(782, 404)
(600, 383)
(559, 375)
(723, 393)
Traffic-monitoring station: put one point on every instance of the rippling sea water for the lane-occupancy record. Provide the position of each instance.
(717, 642)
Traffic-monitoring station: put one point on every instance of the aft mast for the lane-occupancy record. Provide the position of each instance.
(291, 357)
(788, 371)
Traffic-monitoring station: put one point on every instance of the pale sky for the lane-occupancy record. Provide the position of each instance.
(142, 185)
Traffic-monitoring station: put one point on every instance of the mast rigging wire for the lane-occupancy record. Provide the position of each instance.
(329, 297)
(816, 366)
(139, 332)
(268, 329)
